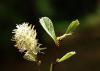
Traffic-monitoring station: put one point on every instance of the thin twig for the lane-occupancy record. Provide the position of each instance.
(38, 65)
(51, 66)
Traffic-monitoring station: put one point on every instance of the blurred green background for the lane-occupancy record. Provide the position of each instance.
(85, 41)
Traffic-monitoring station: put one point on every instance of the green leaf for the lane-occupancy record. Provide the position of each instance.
(66, 56)
(48, 27)
(72, 26)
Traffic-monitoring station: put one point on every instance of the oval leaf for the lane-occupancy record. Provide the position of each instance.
(66, 56)
(48, 26)
(72, 26)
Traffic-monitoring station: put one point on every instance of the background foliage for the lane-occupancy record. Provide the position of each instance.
(85, 41)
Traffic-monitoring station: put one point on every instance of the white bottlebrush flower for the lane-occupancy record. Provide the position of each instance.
(25, 38)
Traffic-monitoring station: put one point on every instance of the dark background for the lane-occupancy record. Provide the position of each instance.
(85, 41)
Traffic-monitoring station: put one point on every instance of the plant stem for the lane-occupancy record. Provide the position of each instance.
(52, 66)
(38, 65)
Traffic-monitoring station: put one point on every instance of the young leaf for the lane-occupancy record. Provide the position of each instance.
(66, 56)
(72, 26)
(48, 27)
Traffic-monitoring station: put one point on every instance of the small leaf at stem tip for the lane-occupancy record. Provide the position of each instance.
(72, 26)
(66, 56)
(48, 27)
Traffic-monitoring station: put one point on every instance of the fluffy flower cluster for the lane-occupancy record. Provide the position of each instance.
(25, 38)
